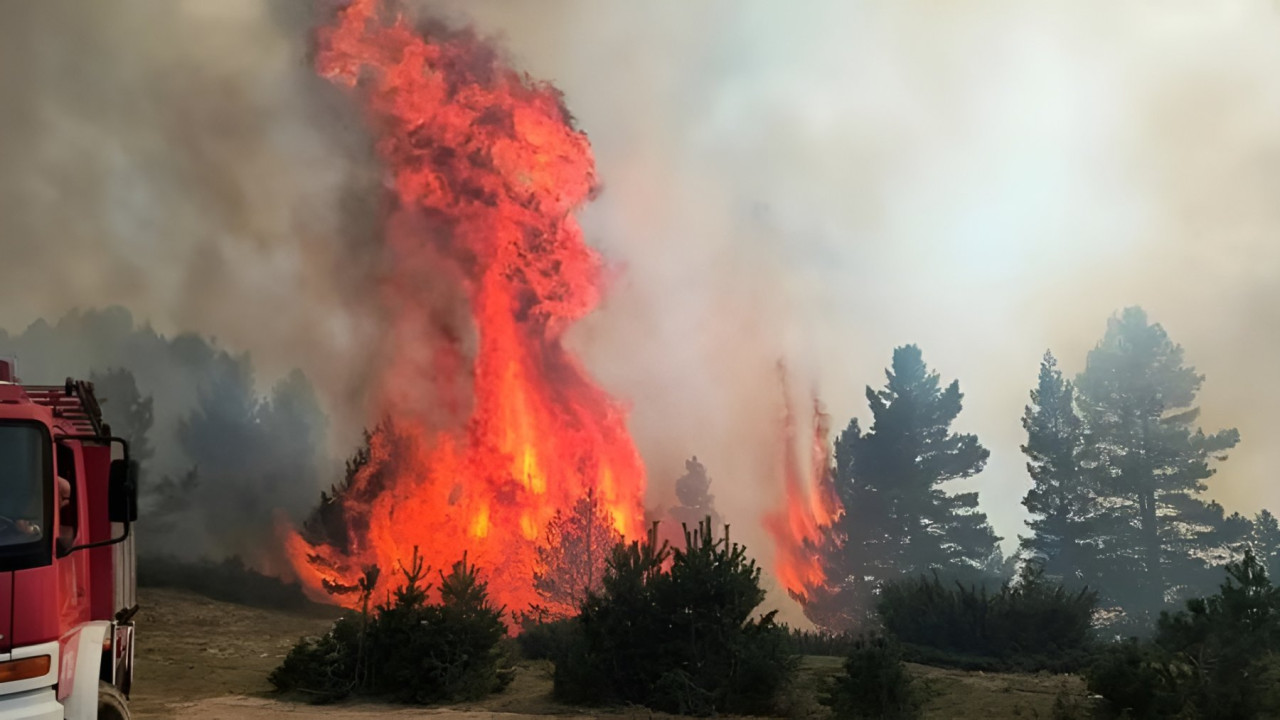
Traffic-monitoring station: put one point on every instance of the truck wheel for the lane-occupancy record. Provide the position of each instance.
(111, 703)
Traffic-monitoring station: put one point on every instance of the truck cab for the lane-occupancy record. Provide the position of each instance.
(68, 499)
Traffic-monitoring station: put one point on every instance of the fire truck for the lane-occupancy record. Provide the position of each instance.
(68, 497)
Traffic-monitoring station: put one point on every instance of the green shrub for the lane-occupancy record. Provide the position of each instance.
(673, 630)
(408, 649)
(546, 640)
(1222, 643)
(1268, 674)
(875, 684)
(1030, 625)
(1215, 660)
(323, 668)
(810, 642)
(1135, 678)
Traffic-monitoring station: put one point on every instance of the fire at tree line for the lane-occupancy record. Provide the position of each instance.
(1119, 534)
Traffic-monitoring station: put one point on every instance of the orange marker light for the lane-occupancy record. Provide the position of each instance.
(24, 669)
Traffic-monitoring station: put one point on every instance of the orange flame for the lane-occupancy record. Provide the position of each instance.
(488, 165)
(801, 528)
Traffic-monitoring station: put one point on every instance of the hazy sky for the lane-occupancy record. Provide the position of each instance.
(814, 181)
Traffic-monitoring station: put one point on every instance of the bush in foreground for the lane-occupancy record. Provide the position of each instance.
(1031, 625)
(875, 684)
(409, 650)
(1219, 659)
(542, 639)
(673, 630)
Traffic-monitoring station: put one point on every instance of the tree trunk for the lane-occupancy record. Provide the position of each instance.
(1151, 546)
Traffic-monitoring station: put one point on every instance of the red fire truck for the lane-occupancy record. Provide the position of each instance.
(68, 496)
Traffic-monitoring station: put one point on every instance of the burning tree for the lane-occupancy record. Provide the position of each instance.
(486, 270)
(805, 530)
(572, 560)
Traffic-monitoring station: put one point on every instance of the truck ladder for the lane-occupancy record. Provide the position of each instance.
(73, 402)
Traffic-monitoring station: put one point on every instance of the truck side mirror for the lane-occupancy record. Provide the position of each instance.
(122, 491)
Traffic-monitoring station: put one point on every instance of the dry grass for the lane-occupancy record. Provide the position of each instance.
(208, 660)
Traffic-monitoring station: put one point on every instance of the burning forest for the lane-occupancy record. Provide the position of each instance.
(491, 424)
(255, 235)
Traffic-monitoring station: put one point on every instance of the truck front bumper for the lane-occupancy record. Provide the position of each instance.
(31, 705)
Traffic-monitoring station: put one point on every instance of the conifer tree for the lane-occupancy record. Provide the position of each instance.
(899, 518)
(129, 413)
(1149, 462)
(693, 491)
(573, 556)
(1060, 499)
(1265, 539)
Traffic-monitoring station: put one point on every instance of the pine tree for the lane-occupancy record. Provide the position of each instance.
(1060, 499)
(219, 434)
(678, 629)
(292, 426)
(129, 414)
(1265, 539)
(573, 556)
(693, 490)
(899, 519)
(1137, 401)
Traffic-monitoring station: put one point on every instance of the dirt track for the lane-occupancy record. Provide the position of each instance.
(208, 660)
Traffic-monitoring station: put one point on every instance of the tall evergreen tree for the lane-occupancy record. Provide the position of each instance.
(1265, 540)
(1060, 499)
(899, 519)
(1137, 400)
(293, 426)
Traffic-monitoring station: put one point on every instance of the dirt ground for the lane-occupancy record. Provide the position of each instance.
(208, 660)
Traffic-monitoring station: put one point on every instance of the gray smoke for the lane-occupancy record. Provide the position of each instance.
(822, 181)
(816, 181)
(182, 160)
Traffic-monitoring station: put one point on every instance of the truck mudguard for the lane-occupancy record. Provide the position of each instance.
(80, 669)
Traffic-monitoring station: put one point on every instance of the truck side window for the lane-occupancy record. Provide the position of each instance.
(68, 518)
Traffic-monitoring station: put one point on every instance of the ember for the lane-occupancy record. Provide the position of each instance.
(493, 163)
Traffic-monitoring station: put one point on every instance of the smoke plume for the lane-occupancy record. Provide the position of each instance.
(182, 160)
(987, 179)
(815, 182)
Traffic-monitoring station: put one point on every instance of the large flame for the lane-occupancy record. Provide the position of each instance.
(489, 168)
(802, 526)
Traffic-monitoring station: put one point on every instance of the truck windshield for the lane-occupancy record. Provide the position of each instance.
(22, 485)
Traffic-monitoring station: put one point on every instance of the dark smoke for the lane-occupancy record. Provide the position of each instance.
(181, 159)
(219, 459)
